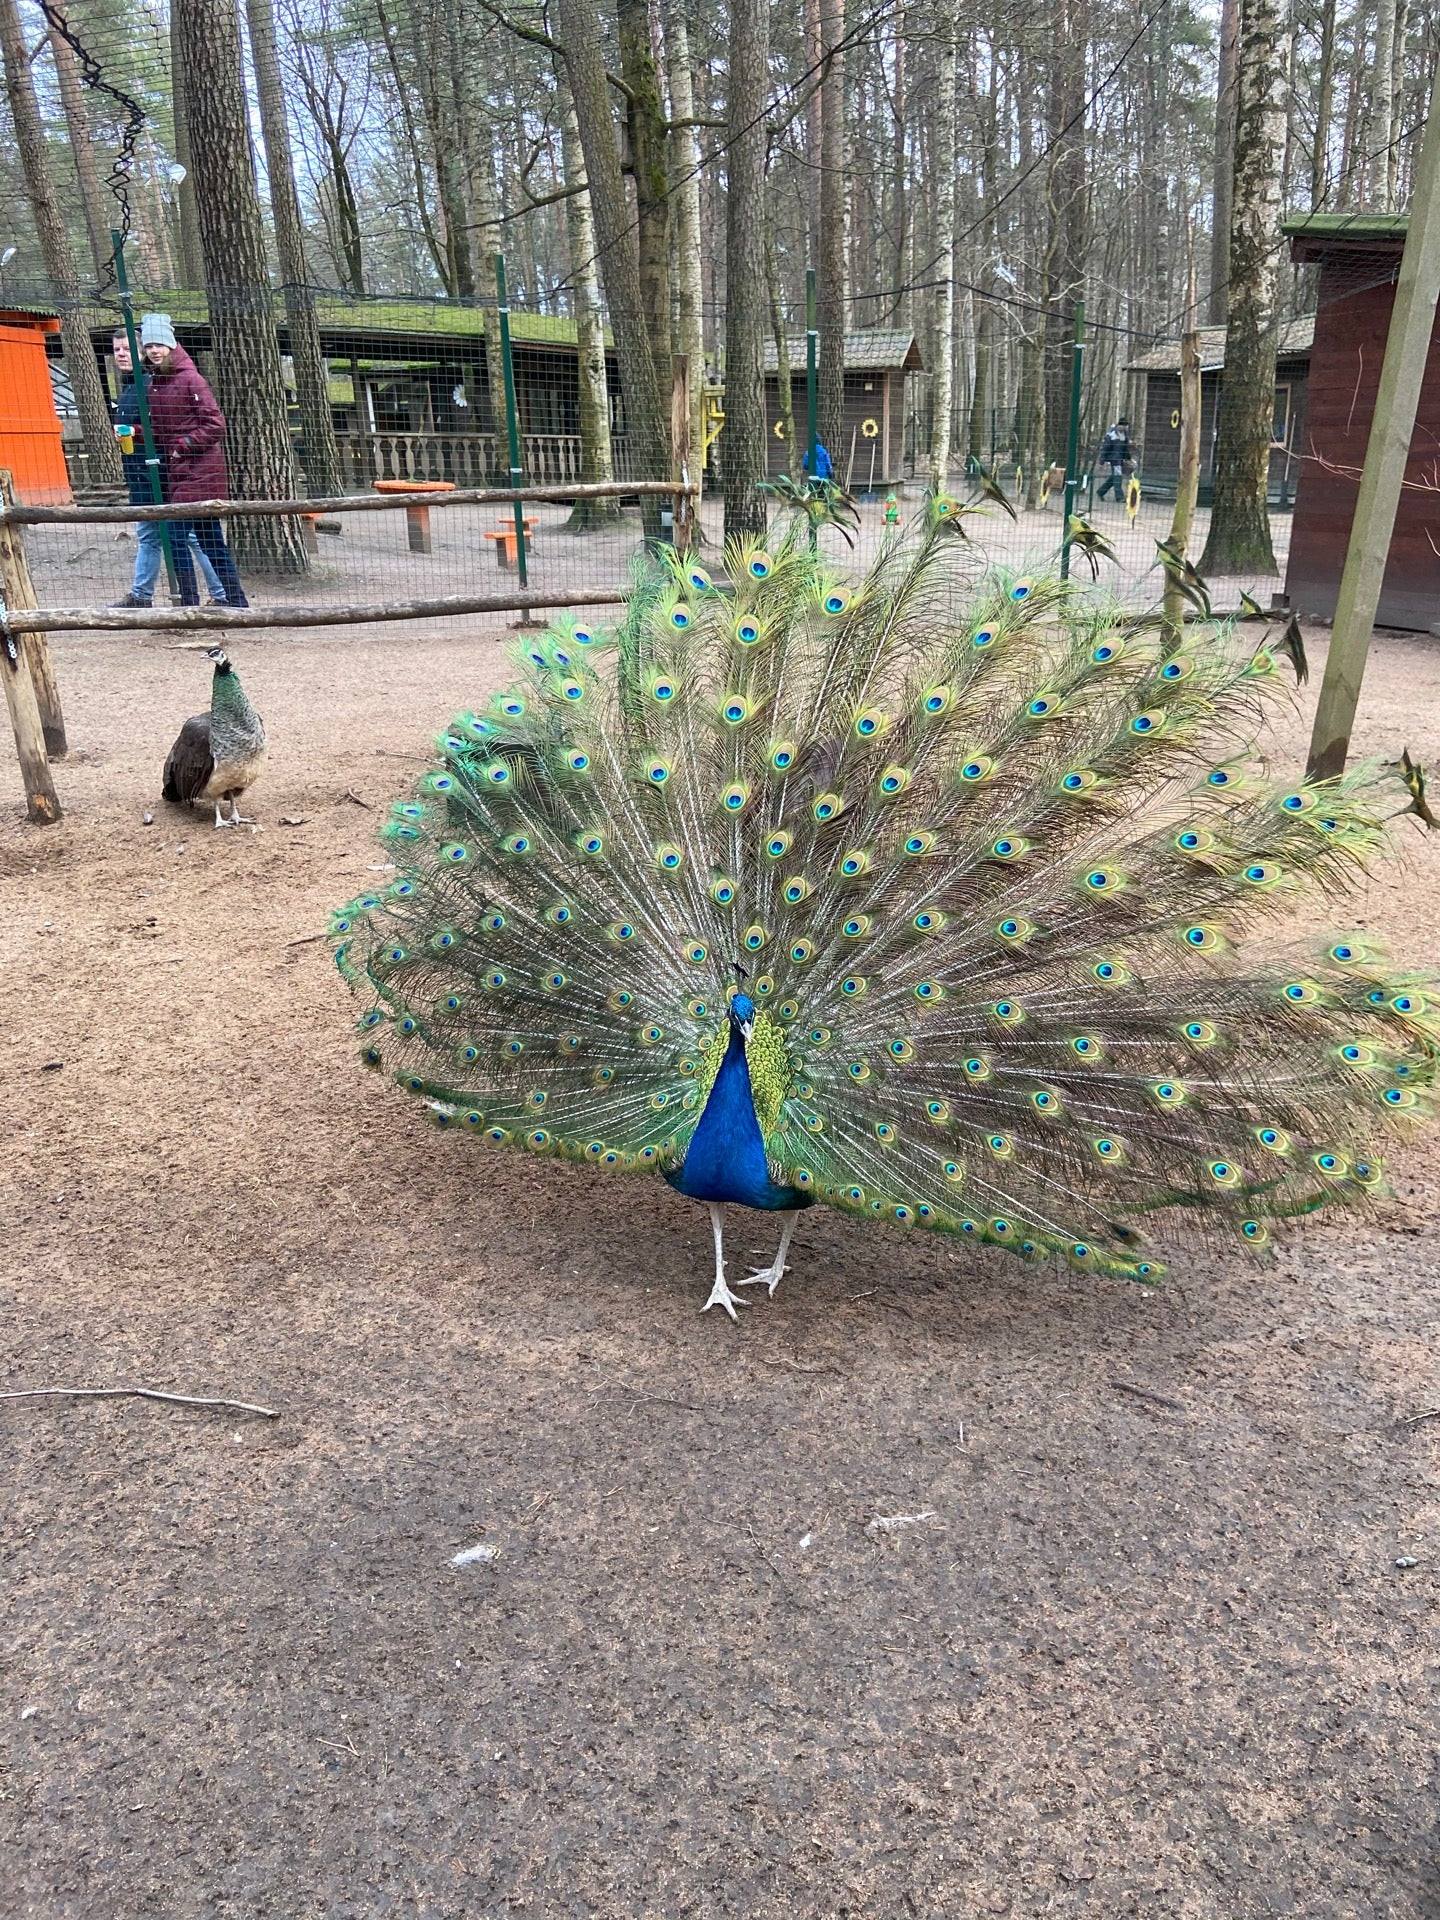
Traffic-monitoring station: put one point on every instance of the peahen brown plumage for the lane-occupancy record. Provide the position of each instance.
(917, 897)
(217, 755)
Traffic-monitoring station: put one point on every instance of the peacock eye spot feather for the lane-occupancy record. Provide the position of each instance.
(853, 986)
(802, 951)
(983, 638)
(777, 844)
(723, 892)
(680, 617)
(747, 632)
(697, 954)
(454, 853)
(928, 990)
(836, 602)
(1219, 778)
(577, 761)
(760, 565)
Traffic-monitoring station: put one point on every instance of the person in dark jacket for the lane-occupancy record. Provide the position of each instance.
(150, 549)
(1117, 455)
(190, 432)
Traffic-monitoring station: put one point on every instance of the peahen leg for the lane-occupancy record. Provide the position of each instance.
(770, 1276)
(720, 1294)
(222, 820)
(238, 819)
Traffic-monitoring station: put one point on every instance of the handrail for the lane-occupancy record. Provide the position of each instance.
(344, 503)
(187, 619)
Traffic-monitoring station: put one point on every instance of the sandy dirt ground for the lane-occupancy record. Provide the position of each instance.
(1165, 1645)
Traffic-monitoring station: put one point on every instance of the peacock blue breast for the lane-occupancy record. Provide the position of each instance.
(726, 1158)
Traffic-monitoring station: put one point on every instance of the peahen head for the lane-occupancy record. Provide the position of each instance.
(742, 1013)
(220, 658)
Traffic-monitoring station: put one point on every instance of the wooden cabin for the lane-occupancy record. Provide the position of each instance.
(410, 392)
(32, 443)
(1359, 260)
(1155, 411)
(871, 452)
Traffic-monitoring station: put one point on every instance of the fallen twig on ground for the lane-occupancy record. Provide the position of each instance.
(136, 1393)
(1425, 1413)
(355, 800)
(1144, 1393)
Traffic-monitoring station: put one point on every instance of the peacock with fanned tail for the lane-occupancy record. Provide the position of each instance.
(916, 897)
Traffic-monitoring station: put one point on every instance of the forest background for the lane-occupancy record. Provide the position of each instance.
(966, 169)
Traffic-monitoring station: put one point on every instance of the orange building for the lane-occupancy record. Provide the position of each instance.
(30, 444)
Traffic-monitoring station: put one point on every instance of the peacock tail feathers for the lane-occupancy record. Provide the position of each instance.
(983, 851)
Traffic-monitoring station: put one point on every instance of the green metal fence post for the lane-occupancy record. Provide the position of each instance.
(147, 432)
(812, 398)
(512, 423)
(1072, 451)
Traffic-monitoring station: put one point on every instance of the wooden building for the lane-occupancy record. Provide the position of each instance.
(1359, 260)
(871, 453)
(1155, 415)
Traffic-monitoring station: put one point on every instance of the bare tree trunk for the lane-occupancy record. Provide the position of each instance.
(596, 456)
(1239, 539)
(192, 255)
(945, 162)
(647, 409)
(82, 149)
(322, 456)
(1381, 170)
(645, 126)
(831, 291)
(244, 350)
(1224, 169)
(685, 168)
(100, 442)
(1324, 108)
(744, 461)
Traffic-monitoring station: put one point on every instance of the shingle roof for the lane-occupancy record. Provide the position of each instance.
(867, 350)
(1296, 337)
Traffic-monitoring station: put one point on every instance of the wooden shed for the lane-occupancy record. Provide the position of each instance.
(877, 359)
(1155, 420)
(31, 441)
(1359, 260)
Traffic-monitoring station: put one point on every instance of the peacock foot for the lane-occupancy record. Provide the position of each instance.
(225, 819)
(721, 1296)
(768, 1277)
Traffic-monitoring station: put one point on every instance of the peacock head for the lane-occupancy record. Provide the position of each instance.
(742, 1013)
(220, 658)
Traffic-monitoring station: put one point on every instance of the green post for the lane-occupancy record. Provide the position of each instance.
(147, 432)
(812, 395)
(512, 424)
(1072, 451)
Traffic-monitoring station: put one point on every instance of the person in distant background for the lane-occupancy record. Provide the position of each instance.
(1117, 454)
(150, 550)
(190, 432)
(823, 468)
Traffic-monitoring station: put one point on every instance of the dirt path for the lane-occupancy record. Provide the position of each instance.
(1151, 1652)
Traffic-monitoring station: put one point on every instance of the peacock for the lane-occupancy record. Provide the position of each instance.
(917, 896)
(217, 755)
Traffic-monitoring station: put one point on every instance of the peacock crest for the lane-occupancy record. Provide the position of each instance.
(986, 850)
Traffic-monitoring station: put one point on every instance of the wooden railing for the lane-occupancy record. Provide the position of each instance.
(466, 459)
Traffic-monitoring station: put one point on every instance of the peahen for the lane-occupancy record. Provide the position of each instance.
(219, 754)
(915, 897)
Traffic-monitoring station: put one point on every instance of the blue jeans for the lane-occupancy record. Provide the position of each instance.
(150, 556)
(209, 537)
(1116, 479)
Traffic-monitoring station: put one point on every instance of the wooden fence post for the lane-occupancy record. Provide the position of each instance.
(1187, 482)
(41, 801)
(17, 591)
(681, 465)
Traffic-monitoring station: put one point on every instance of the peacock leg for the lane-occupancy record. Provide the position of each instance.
(770, 1276)
(220, 819)
(720, 1294)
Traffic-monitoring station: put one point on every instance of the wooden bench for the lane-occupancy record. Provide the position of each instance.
(417, 518)
(505, 543)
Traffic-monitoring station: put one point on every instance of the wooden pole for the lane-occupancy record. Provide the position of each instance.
(340, 503)
(341, 614)
(42, 803)
(1187, 481)
(686, 502)
(1406, 352)
(17, 594)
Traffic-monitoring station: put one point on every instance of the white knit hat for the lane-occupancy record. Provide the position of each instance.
(156, 330)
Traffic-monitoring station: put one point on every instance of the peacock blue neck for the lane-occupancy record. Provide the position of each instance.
(726, 1158)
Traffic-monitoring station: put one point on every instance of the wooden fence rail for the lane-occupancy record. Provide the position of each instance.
(340, 503)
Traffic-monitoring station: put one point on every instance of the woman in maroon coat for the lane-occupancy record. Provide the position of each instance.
(190, 432)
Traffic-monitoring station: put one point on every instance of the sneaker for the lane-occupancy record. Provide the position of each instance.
(131, 600)
(213, 602)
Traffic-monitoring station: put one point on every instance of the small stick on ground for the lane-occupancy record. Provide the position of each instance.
(1144, 1393)
(137, 1393)
(306, 939)
(1426, 1413)
(354, 798)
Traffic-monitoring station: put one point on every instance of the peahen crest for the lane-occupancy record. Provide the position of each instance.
(987, 854)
